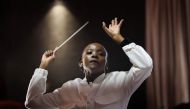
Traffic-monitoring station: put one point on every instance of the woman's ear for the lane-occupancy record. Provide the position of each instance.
(80, 64)
(107, 67)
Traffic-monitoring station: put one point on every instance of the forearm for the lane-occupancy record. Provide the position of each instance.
(37, 85)
(36, 97)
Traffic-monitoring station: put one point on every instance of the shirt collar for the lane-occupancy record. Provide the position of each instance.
(99, 79)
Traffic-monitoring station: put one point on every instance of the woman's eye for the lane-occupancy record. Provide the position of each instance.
(102, 54)
(88, 52)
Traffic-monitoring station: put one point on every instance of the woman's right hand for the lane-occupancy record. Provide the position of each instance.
(47, 57)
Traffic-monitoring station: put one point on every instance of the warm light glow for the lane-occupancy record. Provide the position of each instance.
(57, 25)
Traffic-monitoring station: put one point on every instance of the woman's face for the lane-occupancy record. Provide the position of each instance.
(94, 58)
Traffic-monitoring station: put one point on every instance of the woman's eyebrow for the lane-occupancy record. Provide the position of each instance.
(96, 49)
(99, 49)
(89, 49)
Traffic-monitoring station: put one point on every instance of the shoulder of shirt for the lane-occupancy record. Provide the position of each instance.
(72, 82)
(115, 73)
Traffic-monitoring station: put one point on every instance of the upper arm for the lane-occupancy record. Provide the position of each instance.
(135, 77)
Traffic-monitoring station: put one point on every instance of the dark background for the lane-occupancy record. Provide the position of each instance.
(21, 50)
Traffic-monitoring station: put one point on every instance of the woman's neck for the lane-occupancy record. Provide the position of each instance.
(92, 76)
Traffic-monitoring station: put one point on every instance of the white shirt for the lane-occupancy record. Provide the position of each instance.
(108, 91)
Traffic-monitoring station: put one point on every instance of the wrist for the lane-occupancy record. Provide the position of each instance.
(43, 65)
(118, 38)
(126, 41)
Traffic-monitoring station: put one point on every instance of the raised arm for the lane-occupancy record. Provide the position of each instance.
(142, 62)
(36, 95)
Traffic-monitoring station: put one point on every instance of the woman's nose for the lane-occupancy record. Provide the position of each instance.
(94, 55)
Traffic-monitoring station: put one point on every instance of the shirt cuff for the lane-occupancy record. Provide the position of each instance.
(129, 47)
(41, 72)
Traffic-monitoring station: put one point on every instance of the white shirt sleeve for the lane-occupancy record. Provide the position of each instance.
(141, 68)
(36, 97)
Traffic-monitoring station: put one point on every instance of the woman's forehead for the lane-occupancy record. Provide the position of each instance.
(95, 46)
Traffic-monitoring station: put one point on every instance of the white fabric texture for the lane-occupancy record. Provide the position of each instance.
(109, 91)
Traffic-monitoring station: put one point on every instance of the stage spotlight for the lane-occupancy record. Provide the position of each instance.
(57, 25)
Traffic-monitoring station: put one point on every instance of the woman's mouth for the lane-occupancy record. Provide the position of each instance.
(94, 62)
